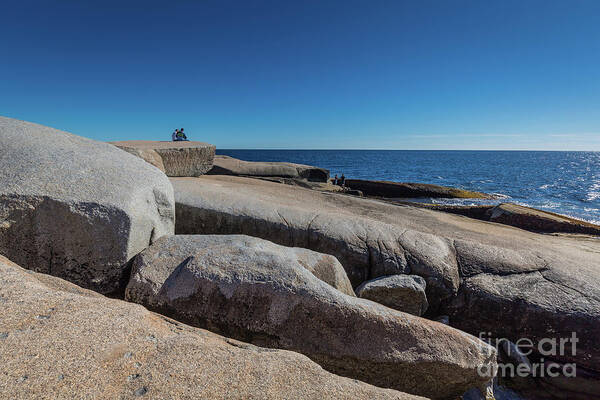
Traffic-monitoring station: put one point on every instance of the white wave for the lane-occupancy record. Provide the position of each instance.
(594, 192)
(540, 206)
(592, 196)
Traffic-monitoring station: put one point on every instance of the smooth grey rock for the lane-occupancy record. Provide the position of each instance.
(324, 222)
(76, 208)
(97, 343)
(401, 292)
(225, 165)
(183, 158)
(256, 291)
(486, 277)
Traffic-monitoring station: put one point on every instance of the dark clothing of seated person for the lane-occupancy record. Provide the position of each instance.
(178, 135)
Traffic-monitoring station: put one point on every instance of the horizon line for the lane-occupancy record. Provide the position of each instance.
(529, 150)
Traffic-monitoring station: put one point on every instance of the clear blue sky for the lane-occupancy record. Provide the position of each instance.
(309, 74)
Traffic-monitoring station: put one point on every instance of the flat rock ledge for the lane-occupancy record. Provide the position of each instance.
(225, 165)
(392, 190)
(527, 218)
(185, 158)
(540, 221)
(59, 341)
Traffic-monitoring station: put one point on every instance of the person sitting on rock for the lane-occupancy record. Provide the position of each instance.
(181, 135)
(174, 135)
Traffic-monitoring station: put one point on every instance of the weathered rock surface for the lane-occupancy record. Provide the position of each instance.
(59, 341)
(76, 208)
(183, 158)
(539, 221)
(407, 190)
(256, 291)
(487, 277)
(542, 305)
(401, 292)
(225, 165)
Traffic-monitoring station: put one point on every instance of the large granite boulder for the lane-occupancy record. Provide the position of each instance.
(182, 158)
(409, 190)
(225, 165)
(76, 208)
(532, 285)
(400, 292)
(253, 290)
(59, 341)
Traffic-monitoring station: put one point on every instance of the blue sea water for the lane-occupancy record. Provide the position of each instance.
(562, 182)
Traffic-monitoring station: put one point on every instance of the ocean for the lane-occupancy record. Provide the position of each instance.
(565, 182)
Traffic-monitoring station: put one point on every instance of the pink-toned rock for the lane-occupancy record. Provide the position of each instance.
(59, 341)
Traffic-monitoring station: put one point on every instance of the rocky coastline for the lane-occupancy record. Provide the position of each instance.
(161, 270)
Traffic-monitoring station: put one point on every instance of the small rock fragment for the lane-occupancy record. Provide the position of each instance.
(400, 292)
